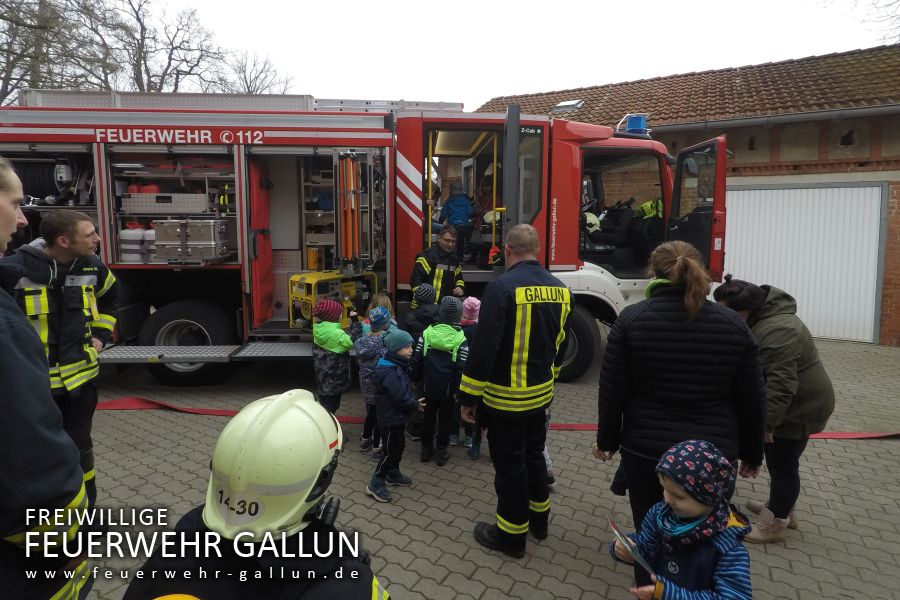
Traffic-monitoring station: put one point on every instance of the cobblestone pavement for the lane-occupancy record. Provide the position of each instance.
(847, 546)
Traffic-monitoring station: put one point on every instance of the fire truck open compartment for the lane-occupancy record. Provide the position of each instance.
(208, 211)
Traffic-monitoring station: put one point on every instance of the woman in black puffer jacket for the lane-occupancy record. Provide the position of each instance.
(678, 367)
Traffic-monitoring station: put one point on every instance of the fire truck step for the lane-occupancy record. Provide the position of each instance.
(167, 354)
(273, 351)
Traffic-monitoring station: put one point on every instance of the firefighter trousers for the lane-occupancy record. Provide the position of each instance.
(77, 408)
(516, 443)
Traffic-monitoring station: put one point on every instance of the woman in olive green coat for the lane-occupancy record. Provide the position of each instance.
(799, 395)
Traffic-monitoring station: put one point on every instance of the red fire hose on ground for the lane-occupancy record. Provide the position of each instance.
(136, 403)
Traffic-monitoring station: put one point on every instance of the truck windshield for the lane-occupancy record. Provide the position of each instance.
(621, 211)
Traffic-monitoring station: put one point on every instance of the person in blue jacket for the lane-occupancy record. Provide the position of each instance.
(458, 211)
(395, 403)
(693, 538)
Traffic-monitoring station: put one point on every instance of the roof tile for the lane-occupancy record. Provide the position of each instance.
(855, 79)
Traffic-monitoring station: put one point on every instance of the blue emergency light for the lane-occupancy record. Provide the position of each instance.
(636, 124)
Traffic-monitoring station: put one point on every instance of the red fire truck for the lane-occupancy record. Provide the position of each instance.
(225, 217)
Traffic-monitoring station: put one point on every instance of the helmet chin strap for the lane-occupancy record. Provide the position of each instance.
(325, 511)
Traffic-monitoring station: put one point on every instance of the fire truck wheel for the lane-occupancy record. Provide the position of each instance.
(584, 344)
(188, 323)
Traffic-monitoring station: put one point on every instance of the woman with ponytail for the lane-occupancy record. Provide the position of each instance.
(678, 367)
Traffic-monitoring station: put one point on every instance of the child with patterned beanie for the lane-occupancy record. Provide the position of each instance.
(693, 538)
(369, 349)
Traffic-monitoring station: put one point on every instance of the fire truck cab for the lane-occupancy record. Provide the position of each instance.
(225, 217)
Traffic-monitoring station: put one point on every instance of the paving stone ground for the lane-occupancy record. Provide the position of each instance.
(847, 546)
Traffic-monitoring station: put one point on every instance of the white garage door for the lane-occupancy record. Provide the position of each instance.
(821, 245)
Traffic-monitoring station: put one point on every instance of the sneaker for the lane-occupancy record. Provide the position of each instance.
(755, 506)
(378, 490)
(376, 455)
(397, 478)
(365, 444)
(413, 436)
(454, 439)
(767, 528)
(468, 442)
(474, 452)
(427, 453)
(441, 457)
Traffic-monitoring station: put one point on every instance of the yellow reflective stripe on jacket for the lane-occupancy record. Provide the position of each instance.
(104, 321)
(423, 262)
(438, 280)
(565, 309)
(107, 283)
(555, 368)
(72, 587)
(78, 502)
(512, 528)
(456, 273)
(518, 369)
(80, 379)
(89, 301)
(517, 405)
(539, 506)
(503, 391)
(378, 592)
(89, 475)
(470, 386)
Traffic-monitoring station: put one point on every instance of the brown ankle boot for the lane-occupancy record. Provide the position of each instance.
(755, 506)
(767, 528)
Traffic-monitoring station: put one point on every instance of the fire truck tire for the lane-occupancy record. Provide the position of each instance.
(189, 323)
(584, 344)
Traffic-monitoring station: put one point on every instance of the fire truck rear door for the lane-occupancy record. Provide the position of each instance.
(262, 279)
(697, 214)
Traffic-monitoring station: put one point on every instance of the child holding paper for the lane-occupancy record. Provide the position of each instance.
(693, 539)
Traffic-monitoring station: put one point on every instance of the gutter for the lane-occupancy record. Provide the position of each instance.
(772, 120)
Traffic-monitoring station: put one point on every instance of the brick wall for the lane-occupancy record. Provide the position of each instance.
(820, 148)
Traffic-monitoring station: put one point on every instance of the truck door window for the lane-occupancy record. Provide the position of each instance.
(621, 211)
(529, 174)
(692, 210)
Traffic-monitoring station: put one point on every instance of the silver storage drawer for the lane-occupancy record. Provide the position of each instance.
(195, 239)
(176, 204)
(197, 251)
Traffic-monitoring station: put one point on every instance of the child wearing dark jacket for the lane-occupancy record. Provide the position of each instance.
(331, 352)
(395, 403)
(369, 349)
(693, 539)
(438, 364)
(425, 312)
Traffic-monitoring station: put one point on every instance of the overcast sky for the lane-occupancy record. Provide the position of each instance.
(470, 51)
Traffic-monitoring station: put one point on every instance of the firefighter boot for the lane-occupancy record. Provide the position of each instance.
(538, 524)
(490, 536)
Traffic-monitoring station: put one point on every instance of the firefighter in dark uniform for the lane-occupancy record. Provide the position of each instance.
(70, 298)
(439, 266)
(40, 462)
(510, 375)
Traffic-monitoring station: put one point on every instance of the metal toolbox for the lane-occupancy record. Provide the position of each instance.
(199, 251)
(192, 240)
(176, 204)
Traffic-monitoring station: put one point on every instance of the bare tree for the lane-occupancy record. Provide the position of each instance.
(177, 55)
(120, 45)
(886, 13)
(246, 73)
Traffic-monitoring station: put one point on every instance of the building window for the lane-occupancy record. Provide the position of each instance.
(751, 143)
(848, 138)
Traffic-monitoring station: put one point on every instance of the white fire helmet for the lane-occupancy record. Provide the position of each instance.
(271, 466)
(591, 222)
